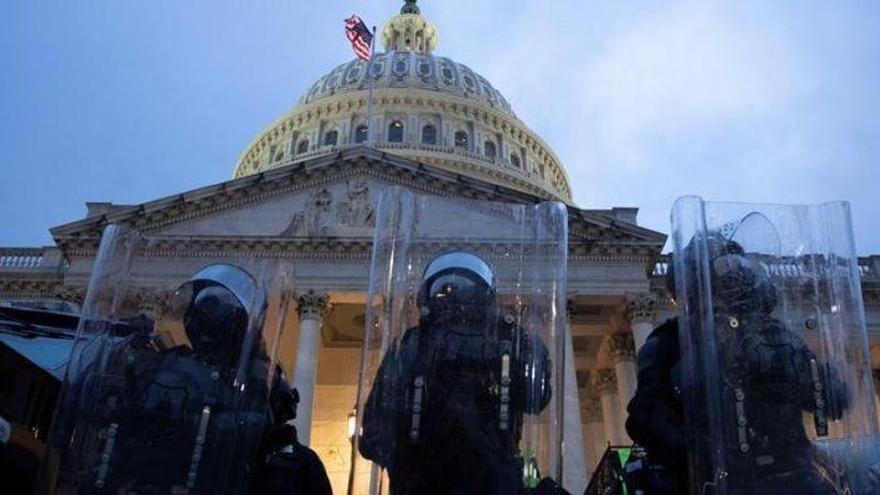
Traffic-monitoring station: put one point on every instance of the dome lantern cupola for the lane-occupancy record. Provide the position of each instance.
(410, 32)
(410, 7)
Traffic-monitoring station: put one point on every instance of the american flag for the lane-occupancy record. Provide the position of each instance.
(360, 36)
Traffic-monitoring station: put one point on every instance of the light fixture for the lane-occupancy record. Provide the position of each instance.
(352, 423)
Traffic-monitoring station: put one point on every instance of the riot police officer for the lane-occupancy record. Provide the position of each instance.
(286, 466)
(445, 412)
(770, 378)
(185, 418)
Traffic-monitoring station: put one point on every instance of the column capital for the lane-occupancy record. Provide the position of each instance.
(311, 305)
(620, 346)
(592, 410)
(71, 294)
(152, 303)
(605, 381)
(641, 308)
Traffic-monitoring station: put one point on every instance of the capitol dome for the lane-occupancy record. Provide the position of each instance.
(427, 108)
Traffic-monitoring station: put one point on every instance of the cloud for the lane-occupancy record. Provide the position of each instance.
(690, 70)
(647, 101)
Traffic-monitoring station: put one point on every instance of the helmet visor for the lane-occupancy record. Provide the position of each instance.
(461, 260)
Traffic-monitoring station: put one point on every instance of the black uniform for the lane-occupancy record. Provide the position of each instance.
(656, 416)
(286, 466)
(290, 468)
(156, 420)
(459, 444)
(768, 378)
(445, 413)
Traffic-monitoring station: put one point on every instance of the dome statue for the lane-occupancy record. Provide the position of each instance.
(427, 108)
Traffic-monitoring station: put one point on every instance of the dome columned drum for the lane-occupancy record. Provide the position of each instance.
(426, 108)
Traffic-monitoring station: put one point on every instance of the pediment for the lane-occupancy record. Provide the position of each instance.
(342, 208)
(331, 198)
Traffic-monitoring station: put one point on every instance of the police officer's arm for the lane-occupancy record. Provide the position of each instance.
(317, 482)
(540, 390)
(373, 435)
(382, 408)
(654, 420)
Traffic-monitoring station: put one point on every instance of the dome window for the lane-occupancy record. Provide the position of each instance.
(515, 161)
(330, 138)
(489, 149)
(302, 147)
(360, 134)
(429, 134)
(395, 132)
(461, 140)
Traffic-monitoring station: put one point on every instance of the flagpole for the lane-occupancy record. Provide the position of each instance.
(370, 95)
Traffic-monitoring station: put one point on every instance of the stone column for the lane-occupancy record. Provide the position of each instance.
(574, 475)
(623, 354)
(605, 382)
(641, 311)
(311, 308)
(594, 432)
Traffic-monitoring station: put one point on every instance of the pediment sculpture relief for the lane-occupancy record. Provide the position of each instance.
(322, 218)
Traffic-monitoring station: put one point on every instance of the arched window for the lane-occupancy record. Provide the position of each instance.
(461, 140)
(279, 153)
(395, 132)
(330, 138)
(490, 150)
(429, 134)
(515, 161)
(302, 147)
(360, 134)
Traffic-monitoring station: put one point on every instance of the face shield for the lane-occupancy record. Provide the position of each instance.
(742, 284)
(216, 306)
(457, 285)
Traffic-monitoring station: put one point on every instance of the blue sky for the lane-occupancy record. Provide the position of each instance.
(644, 101)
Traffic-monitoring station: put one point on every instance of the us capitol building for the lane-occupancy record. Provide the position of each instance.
(306, 188)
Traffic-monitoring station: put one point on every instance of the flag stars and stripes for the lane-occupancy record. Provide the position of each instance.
(360, 37)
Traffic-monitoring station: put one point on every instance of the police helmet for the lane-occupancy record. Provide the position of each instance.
(457, 281)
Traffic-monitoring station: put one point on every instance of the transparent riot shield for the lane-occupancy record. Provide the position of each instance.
(168, 388)
(777, 387)
(462, 372)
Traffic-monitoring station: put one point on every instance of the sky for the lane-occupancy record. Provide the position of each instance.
(643, 101)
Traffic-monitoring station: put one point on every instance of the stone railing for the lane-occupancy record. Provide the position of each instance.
(496, 163)
(30, 259)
